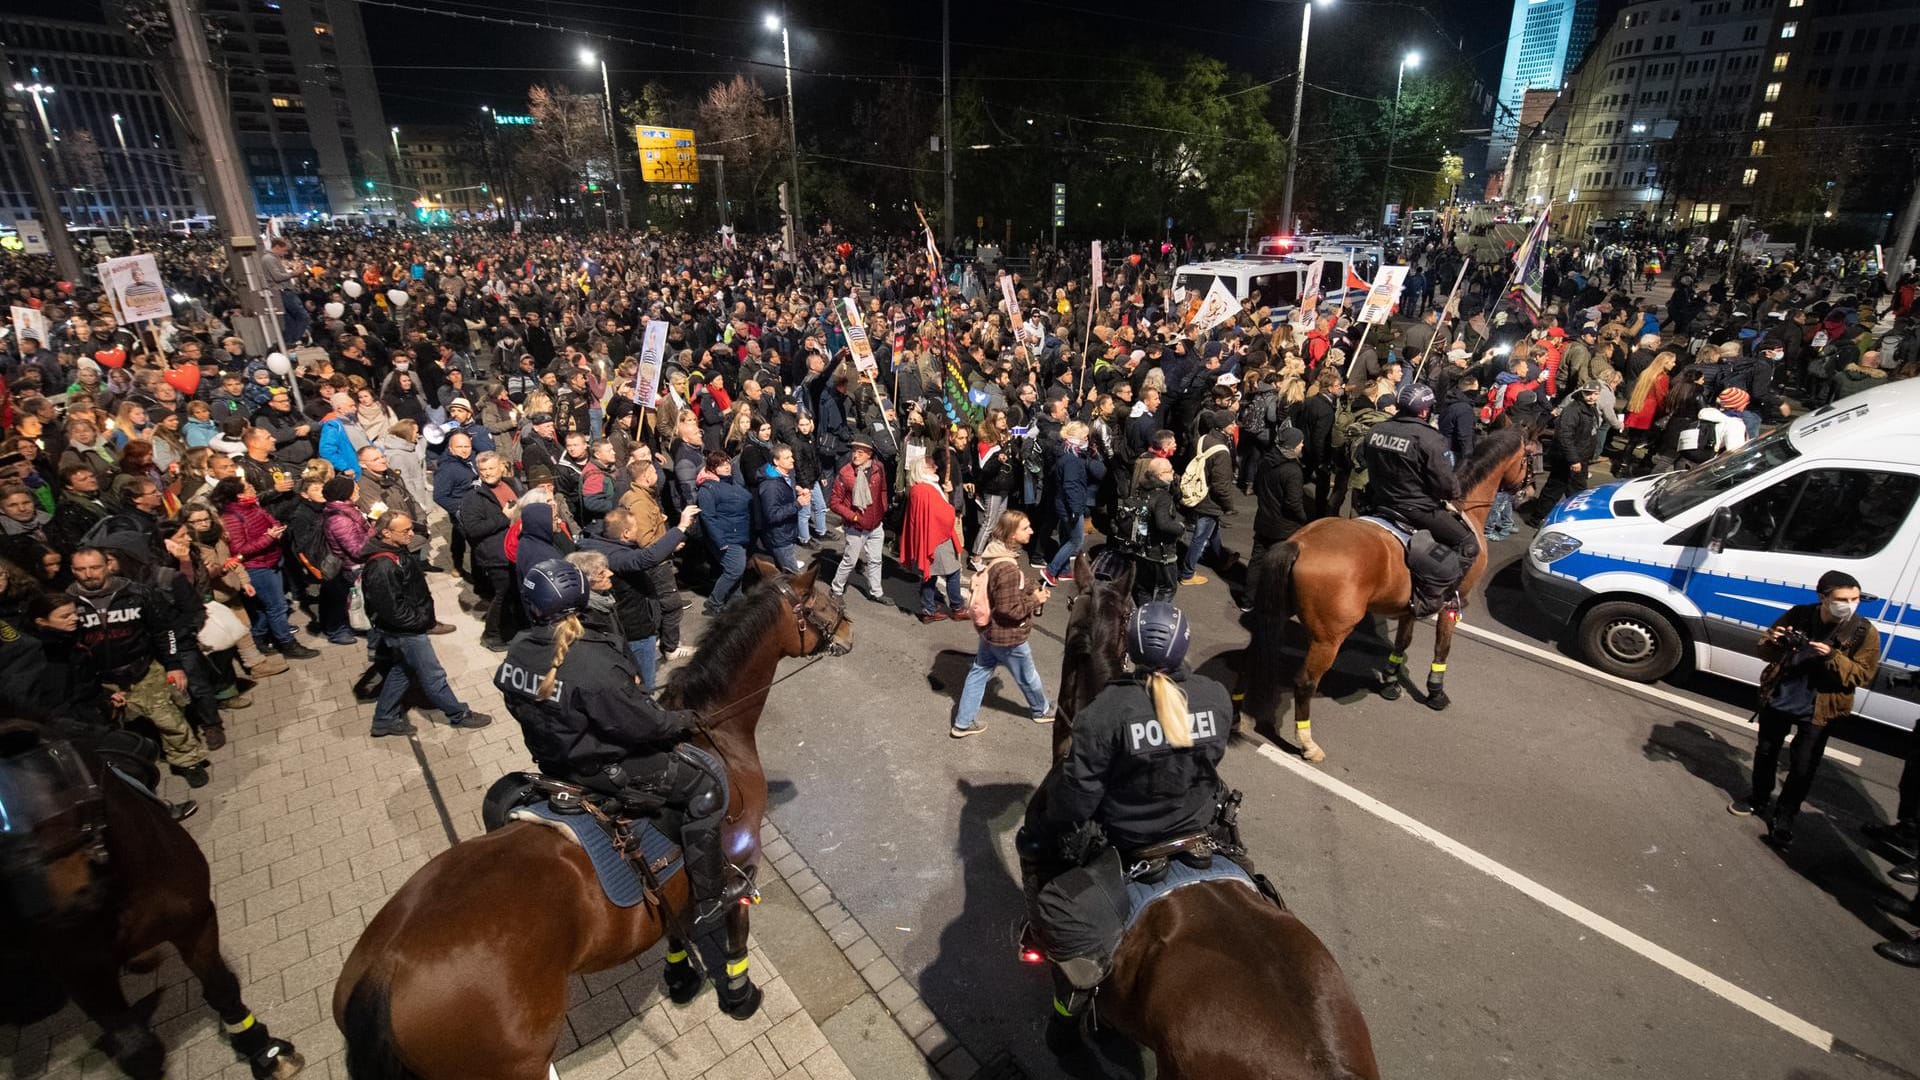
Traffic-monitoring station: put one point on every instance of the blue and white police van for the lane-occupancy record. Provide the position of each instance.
(1694, 566)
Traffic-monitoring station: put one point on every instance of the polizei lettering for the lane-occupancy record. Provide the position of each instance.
(527, 682)
(1151, 736)
(1398, 444)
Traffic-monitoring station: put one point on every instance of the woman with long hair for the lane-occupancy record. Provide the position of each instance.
(169, 439)
(1012, 601)
(992, 474)
(1643, 410)
(226, 580)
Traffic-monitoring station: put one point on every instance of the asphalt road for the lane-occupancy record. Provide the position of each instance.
(1559, 817)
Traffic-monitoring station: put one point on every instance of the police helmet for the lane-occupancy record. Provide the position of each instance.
(1416, 399)
(554, 589)
(1158, 636)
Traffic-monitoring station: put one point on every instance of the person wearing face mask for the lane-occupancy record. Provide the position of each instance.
(1817, 655)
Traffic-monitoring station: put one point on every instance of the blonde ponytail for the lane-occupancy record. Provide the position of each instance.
(1170, 709)
(565, 633)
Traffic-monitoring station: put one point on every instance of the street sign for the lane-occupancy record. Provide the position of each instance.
(667, 155)
(33, 237)
(1059, 206)
(512, 120)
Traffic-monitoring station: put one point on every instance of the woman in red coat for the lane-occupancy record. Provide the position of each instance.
(253, 535)
(930, 543)
(1643, 407)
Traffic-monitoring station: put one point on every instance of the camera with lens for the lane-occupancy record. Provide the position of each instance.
(1793, 640)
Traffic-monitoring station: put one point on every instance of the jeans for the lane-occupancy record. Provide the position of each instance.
(1809, 746)
(733, 565)
(813, 516)
(784, 557)
(991, 507)
(294, 319)
(1018, 660)
(1500, 516)
(1072, 531)
(407, 659)
(646, 655)
(1206, 541)
(867, 547)
(267, 607)
(930, 594)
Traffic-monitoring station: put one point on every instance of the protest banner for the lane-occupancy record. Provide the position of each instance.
(1384, 293)
(135, 289)
(856, 334)
(28, 321)
(1308, 312)
(1216, 307)
(646, 378)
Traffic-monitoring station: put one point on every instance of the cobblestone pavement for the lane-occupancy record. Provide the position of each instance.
(310, 824)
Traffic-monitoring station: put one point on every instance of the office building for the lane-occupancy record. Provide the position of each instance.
(1545, 40)
(445, 169)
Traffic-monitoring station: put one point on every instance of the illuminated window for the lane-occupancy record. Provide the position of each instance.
(1758, 149)
(282, 103)
(1779, 63)
(1787, 30)
(321, 29)
(1795, 3)
(1765, 121)
(1773, 91)
(1749, 177)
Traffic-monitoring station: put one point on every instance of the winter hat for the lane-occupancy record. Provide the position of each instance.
(1733, 399)
(338, 489)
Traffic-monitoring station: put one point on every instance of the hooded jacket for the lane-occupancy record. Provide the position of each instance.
(777, 510)
(395, 585)
(541, 538)
(123, 631)
(726, 511)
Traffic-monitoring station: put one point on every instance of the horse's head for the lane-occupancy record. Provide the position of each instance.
(1095, 641)
(819, 623)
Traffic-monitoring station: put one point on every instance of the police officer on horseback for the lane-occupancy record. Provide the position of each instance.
(1141, 773)
(587, 721)
(1412, 482)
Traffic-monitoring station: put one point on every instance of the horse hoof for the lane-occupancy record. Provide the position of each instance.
(277, 1062)
(1391, 690)
(1438, 700)
(1314, 754)
(682, 982)
(745, 1006)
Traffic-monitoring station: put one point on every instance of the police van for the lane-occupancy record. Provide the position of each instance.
(1275, 283)
(1694, 566)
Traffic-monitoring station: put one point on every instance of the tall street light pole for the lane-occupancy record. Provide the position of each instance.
(774, 22)
(946, 118)
(588, 58)
(1299, 96)
(52, 220)
(1412, 59)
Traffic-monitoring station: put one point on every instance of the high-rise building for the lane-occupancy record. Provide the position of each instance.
(305, 112)
(1545, 41)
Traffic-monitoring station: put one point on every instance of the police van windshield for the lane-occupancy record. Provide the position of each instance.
(1196, 283)
(1681, 492)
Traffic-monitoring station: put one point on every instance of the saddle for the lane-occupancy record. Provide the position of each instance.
(1435, 568)
(631, 855)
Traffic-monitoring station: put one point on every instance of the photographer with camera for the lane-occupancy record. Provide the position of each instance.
(1817, 655)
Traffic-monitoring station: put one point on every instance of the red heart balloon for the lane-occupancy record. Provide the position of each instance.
(114, 357)
(184, 378)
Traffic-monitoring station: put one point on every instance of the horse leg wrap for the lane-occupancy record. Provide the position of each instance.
(248, 1036)
(1388, 681)
(1437, 698)
(739, 998)
(682, 981)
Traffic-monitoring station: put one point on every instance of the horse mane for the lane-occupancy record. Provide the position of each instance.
(1489, 454)
(725, 647)
(1081, 639)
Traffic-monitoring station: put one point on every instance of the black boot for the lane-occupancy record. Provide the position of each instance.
(1780, 831)
(1901, 952)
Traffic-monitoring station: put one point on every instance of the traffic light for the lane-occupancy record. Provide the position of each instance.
(485, 190)
(369, 185)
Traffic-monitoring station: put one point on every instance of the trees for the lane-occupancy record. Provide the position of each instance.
(568, 145)
(734, 121)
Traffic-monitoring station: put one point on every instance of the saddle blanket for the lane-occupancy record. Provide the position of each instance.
(618, 878)
(1398, 531)
(1141, 894)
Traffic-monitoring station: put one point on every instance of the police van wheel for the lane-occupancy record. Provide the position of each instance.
(1630, 640)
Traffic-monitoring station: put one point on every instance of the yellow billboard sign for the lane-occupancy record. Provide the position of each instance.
(667, 155)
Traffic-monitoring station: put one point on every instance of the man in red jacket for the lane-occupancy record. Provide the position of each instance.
(859, 496)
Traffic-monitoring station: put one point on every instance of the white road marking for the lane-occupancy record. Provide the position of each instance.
(1722, 716)
(1599, 924)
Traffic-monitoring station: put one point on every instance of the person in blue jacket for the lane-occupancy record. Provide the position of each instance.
(453, 477)
(777, 506)
(726, 516)
(335, 445)
(1077, 474)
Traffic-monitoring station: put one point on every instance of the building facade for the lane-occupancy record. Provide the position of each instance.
(446, 169)
(1545, 41)
(94, 100)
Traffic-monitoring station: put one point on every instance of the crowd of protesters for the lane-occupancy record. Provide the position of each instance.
(170, 497)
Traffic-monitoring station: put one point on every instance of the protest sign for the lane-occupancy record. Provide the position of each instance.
(134, 287)
(646, 379)
(1384, 294)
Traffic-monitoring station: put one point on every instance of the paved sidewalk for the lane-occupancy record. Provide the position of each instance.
(310, 825)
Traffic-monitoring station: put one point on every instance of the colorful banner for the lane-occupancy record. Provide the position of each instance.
(135, 288)
(646, 378)
(1384, 294)
(1530, 266)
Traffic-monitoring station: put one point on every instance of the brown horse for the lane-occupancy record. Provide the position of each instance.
(1336, 571)
(120, 880)
(463, 973)
(1215, 980)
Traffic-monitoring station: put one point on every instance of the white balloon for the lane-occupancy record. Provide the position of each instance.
(279, 364)
(398, 297)
(352, 288)
(335, 309)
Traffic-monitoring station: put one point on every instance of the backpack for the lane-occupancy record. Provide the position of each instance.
(1193, 479)
(979, 609)
(310, 547)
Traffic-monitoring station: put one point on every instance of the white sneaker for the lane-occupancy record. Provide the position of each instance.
(684, 652)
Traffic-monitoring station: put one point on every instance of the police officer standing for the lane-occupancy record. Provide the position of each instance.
(1411, 480)
(1142, 771)
(586, 720)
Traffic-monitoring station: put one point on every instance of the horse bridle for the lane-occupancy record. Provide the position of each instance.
(805, 618)
(1527, 452)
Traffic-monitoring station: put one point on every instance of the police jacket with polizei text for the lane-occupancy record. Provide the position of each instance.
(124, 628)
(598, 714)
(1407, 466)
(1123, 772)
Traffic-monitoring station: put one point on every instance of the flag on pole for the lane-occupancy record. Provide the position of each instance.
(1530, 266)
(1217, 307)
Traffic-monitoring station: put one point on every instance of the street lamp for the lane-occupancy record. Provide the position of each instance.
(1412, 60)
(1299, 95)
(774, 22)
(588, 59)
(37, 89)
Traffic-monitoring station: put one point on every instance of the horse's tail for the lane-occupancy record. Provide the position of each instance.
(368, 1027)
(1272, 607)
